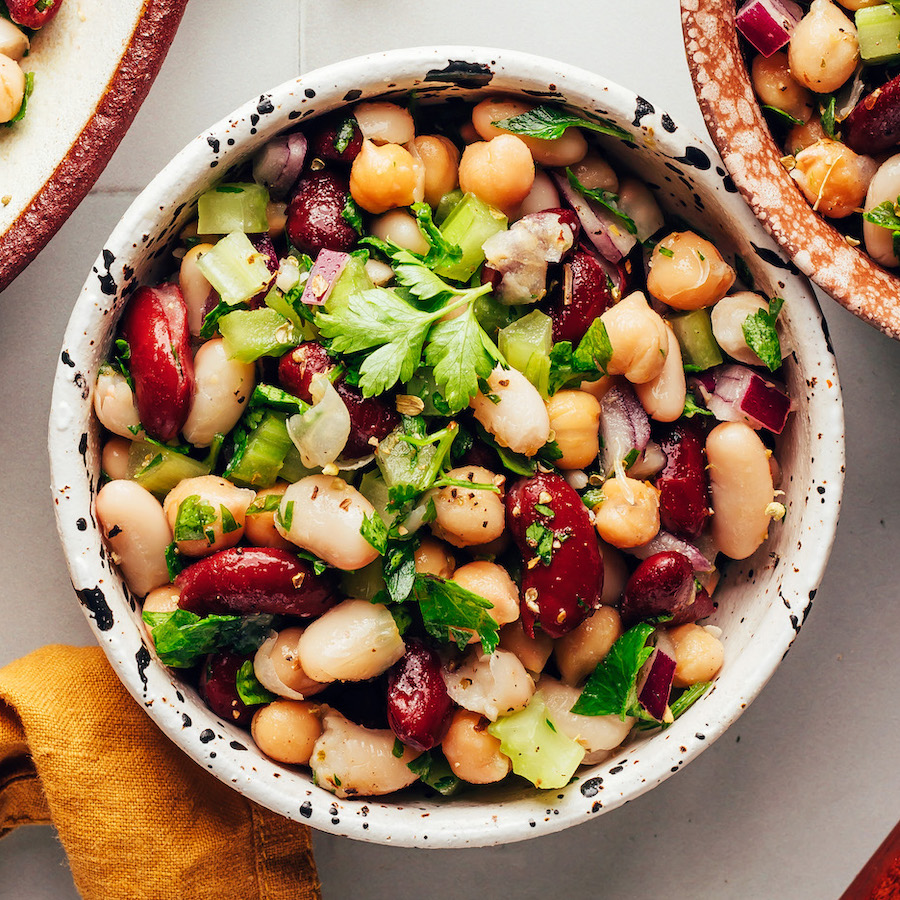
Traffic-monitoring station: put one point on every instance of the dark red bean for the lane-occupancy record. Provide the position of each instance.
(315, 215)
(683, 483)
(873, 126)
(558, 596)
(218, 687)
(32, 13)
(663, 584)
(418, 705)
(246, 580)
(336, 139)
(162, 365)
(370, 417)
(583, 293)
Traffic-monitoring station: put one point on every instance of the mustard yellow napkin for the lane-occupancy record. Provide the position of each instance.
(136, 816)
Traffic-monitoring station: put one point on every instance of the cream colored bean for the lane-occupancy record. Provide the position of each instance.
(500, 171)
(639, 203)
(775, 86)
(533, 653)
(629, 514)
(805, 135)
(741, 488)
(287, 730)
(492, 582)
(595, 173)
(440, 157)
(469, 516)
(639, 338)
(13, 41)
(115, 405)
(687, 272)
(380, 272)
(824, 48)
(615, 574)
(433, 558)
(135, 528)
(728, 317)
(698, 655)
(160, 600)
(350, 760)
(578, 653)
(222, 388)
(12, 88)
(385, 177)
(562, 151)
(663, 396)
(259, 527)
(518, 419)
(543, 195)
(599, 387)
(401, 228)
(384, 123)
(199, 295)
(493, 685)
(276, 217)
(885, 185)
(326, 516)
(473, 753)
(353, 641)
(114, 458)
(284, 655)
(575, 422)
(832, 177)
(215, 494)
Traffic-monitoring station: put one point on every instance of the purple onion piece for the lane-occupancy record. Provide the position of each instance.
(624, 425)
(655, 683)
(741, 395)
(323, 275)
(278, 165)
(262, 243)
(663, 541)
(768, 24)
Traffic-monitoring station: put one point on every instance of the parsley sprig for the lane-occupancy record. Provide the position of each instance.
(761, 335)
(551, 122)
(887, 215)
(607, 199)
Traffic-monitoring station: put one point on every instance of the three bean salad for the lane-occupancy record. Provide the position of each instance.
(424, 457)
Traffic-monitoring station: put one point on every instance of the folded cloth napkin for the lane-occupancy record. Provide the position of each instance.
(136, 816)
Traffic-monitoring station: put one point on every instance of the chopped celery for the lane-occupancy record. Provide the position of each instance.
(878, 30)
(375, 490)
(233, 207)
(699, 350)
(159, 469)
(470, 224)
(493, 315)
(353, 280)
(539, 751)
(448, 203)
(423, 386)
(364, 583)
(403, 463)
(235, 268)
(526, 344)
(252, 333)
(260, 461)
(293, 468)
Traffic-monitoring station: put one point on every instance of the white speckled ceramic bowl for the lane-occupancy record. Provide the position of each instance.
(762, 601)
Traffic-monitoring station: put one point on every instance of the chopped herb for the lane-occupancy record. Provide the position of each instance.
(435, 772)
(287, 518)
(29, 89)
(679, 706)
(606, 199)
(441, 253)
(269, 503)
(541, 539)
(551, 122)
(195, 520)
(743, 272)
(544, 510)
(249, 687)
(121, 359)
(399, 567)
(319, 565)
(173, 561)
(375, 532)
(665, 251)
(885, 215)
(211, 319)
(271, 397)
(451, 613)
(828, 120)
(761, 334)
(398, 748)
(691, 408)
(352, 215)
(229, 189)
(587, 362)
(593, 498)
(783, 114)
(228, 521)
(345, 134)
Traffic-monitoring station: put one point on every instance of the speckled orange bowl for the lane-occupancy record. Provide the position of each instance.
(739, 131)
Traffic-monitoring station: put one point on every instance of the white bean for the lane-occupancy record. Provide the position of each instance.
(578, 652)
(325, 517)
(637, 200)
(493, 684)
(13, 41)
(467, 517)
(223, 386)
(728, 317)
(663, 396)
(12, 88)
(399, 226)
(514, 412)
(824, 48)
(135, 528)
(115, 405)
(884, 186)
(114, 458)
(199, 295)
(741, 488)
(385, 123)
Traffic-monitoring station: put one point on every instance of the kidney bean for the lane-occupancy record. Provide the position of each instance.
(419, 707)
(218, 687)
(246, 580)
(315, 215)
(32, 13)
(663, 584)
(582, 295)
(683, 483)
(873, 125)
(162, 365)
(556, 596)
(324, 141)
(370, 417)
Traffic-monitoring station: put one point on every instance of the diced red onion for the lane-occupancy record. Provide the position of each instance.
(768, 24)
(738, 394)
(278, 165)
(325, 272)
(665, 541)
(262, 243)
(624, 425)
(655, 683)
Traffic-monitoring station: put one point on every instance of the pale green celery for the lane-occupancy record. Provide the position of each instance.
(365, 583)
(375, 490)
(293, 468)
(250, 334)
(233, 207)
(352, 281)
(235, 268)
(469, 225)
(448, 203)
(260, 462)
(878, 32)
(526, 344)
(699, 350)
(402, 463)
(159, 469)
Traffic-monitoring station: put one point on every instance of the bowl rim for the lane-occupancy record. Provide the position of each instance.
(385, 820)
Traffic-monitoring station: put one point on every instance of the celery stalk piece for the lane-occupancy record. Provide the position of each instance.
(448, 203)
(261, 461)
(374, 488)
(352, 281)
(539, 751)
(233, 207)
(159, 469)
(235, 268)
(252, 333)
(402, 463)
(364, 583)
(293, 468)
(878, 31)
(469, 225)
(699, 350)
(526, 344)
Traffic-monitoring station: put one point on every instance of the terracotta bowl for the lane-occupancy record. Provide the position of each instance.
(763, 601)
(752, 157)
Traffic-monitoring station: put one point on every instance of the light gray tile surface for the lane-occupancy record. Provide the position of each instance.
(796, 795)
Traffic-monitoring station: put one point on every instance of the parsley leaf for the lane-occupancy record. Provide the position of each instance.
(211, 319)
(761, 335)
(551, 122)
(352, 216)
(195, 520)
(173, 561)
(783, 114)
(540, 538)
(691, 408)
(828, 120)
(435, 772)
(269, 503)
(885, 215)
(450, 612)
(29, 88)
(400, 569)
(588, 361)
(607, 199)
(249, 687)
(442, 252)
(375, 532)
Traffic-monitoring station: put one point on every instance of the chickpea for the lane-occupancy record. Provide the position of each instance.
(802, 136)
(399, 226)
(832, 177)
(578, 652)
(432, 558)
(199, 295)
(698, 654)
(440, 157)
(599, 387)
(384, 123)
(115, 405)
(628, 516)
(12, 88)
(687, 272)
(284, 655)
(639, 338)
(114, 458)
(500, 171)
(492, 582)
(854, 5)
(259, 527)
(160, 600)
(824, 48)
(514, 413)
(885, 185)
(663, 396)
(469, 516)
(774, 86)
(474, 754)
(385, 177)
(562, 151)
(13, 41)
(596, 174)
(728, 317)
(533, 653)
(287, 730)
(575, 421)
